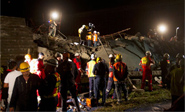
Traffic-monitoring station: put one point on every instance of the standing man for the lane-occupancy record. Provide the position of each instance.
(146, 63)
(165, 66)
(177, 84)
(110, 79)
(10, 80)
(67, 82)
(120, 73)
(100, 70)
(89, 69)
(40, 66)
(24, 96)
(95, 38)
(77, 61)
(52, 28)
(50, 87)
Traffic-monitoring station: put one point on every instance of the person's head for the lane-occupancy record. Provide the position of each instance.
(50, 66)
(92, 56)
(66, 56)
(148, 53)
(98, 59)
(118, 57)
(41, 55)
(179, 56)
(59, 56)
(94, 32)
(77, 55)
(27, 57)
(12, 65)
(25, 68)
(111, 56)
(166, 56)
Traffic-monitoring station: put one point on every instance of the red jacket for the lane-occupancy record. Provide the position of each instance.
(77, 62)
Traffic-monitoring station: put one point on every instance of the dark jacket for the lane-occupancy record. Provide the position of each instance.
(100, 69)
(65, 69)
(24, 96)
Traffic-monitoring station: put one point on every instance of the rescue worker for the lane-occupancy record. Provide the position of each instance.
(110, 79)
(89, 39)
(120, 73)
(82, 32)
(67, 82)
(100, 70)
(50, 87)
(40, 66)
(59, 57)
(179, 57)
(28, 59)
(52, 28)
(165, 66)
(91, 76)
(8, 84)
(77, 61)
(177, 82)
(24, 96)
(146, 63)
(95, 38)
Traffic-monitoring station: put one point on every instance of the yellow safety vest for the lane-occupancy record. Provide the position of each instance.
(90, 67)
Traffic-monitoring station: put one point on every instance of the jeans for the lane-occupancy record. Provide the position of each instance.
(100, 84)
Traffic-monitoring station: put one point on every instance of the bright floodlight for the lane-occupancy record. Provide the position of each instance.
(162, 28)
(54, 15)
(177, 28)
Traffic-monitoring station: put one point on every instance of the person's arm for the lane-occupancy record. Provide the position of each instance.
(126, 72)
(94, 70)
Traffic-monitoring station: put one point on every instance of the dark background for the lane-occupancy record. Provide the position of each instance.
(107, 16)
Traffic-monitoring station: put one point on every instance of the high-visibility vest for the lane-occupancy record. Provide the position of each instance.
(95, 37)
(90, 67)
(145, 62)
(89, 37)
(58, 81)
(119, 70)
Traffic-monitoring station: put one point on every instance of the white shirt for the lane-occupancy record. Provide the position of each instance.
(10, 79)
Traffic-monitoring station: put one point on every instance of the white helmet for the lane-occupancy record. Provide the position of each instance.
(77, 54)
(148, 52)
(111, 55)
(92, 56)
(83, 26)
(95, 31)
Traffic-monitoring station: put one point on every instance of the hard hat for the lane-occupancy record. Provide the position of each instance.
(148, 52)
(66, 55)
(77, 54)
(94, 31)
(92, 56)
(27, 56)
(98, 59)
(166, 55)
(98, 33)
(111, 55)
(179, 55)
(52, 62)
(118, 57)
(50, 20)
(24, 67)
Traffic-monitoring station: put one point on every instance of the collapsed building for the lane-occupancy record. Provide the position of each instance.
(17, 40)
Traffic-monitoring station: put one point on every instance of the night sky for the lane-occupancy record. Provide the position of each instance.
(108, 16)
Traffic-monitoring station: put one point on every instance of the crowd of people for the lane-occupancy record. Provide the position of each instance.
(43, 85)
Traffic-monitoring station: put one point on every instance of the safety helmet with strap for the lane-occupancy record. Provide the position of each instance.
(24, 67)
